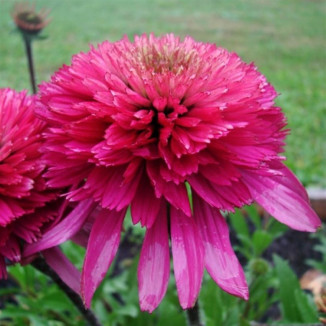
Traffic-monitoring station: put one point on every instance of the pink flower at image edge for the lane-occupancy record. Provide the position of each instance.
(24, 198)
(141, 124)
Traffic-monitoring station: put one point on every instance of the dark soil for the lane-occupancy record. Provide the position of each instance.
(296, 247)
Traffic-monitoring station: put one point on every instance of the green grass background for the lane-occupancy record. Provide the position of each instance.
(285, 39)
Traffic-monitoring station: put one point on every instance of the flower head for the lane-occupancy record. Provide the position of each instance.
(144, 123)
(27, 19)
(23, 193)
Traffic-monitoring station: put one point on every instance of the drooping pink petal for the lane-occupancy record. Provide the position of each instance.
(117, 194)
(101, 248)
(64, 230)
(282, 197)
(154, 263)
(291, 181)
(63, 267)
(188, 257)
(145, 205)
(81, 238)
(175, 194)
(219, 196)
(220, 259)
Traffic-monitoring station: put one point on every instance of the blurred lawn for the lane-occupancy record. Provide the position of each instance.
(285, 39)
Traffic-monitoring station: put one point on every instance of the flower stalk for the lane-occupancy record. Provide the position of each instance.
(29, 54)
(41, 265)
(193, 316)
(30, 23)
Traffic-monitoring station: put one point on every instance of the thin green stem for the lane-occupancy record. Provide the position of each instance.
(41, 265)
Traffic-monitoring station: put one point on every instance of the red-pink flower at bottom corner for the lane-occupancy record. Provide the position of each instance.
(143, 123)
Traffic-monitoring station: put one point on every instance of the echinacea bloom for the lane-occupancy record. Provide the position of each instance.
(27, 19)
(24, 198)
(144, 124)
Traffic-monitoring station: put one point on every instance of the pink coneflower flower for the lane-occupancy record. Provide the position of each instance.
(23, 193)
(142, 125)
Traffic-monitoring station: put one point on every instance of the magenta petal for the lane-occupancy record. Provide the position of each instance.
(3, 271)
(154, 263)
(145, 205)
(205, 189)
(102, 246)
(220, 196)
(117, 194)
(220, 259)
(283, 197)
(177, 196)
(63, 267)
(188, 257)
(6, 214)
(63, 230)
(291, 181)
(11, 250)
(81, 238)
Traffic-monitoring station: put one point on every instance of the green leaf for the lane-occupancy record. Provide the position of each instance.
(261, 240)
(275, 228)
(306, 307)
(55, 301)
(294, 302)
(245, 248)
(212, 304)
(219, 307)
(254, 216)
(287, 287)
(239, 224)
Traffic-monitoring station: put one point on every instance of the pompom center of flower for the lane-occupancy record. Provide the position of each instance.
(158, 65)
(159, 119)
(166, 60)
